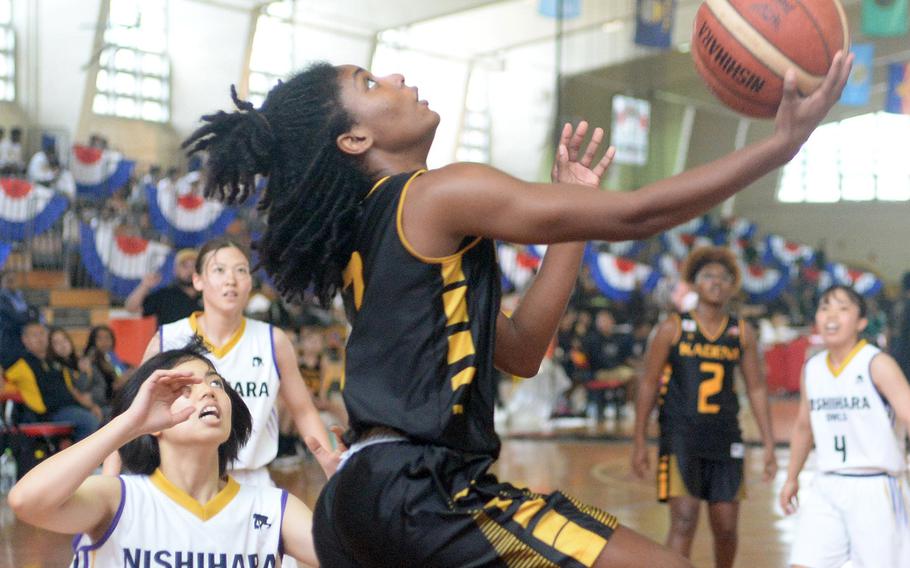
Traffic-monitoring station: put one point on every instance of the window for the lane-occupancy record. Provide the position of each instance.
(857, 159)
(134, 72)
(273, 48)
(7, 52)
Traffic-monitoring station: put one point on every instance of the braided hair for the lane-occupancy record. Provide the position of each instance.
(314, 190)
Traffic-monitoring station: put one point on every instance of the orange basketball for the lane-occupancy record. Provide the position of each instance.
(742, 48)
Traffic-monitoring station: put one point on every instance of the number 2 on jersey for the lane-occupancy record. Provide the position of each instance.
(710, 386)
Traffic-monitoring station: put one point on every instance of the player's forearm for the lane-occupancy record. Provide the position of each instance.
(800, 446)
(758, 399)
(537, 316)
(309, 423)
(644, 404)
(52, 482)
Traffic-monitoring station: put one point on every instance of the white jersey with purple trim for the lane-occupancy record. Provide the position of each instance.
(247, 361)
(157, 525)
(854, 427)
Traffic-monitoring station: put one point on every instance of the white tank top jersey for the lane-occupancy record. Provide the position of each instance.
(247, 361)
(159, 526)
(854, 428)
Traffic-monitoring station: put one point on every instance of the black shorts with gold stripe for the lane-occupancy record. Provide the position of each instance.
(711, 480)
(404, 504)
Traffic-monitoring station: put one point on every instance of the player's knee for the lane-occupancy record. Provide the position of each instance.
(725, 534)
(684, 523)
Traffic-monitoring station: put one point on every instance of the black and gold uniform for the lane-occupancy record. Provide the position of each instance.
(419, 390)
(312, 376)
(701, 446)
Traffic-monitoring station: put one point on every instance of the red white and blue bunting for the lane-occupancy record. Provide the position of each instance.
(762, 284)
(5, 249)
(118, 262)
(680, 240)
(517, 265)
(617, 277)
(189, 220)
(27, 210)
(865, 283)
(628, 249)
(787, 253)
(99, 173)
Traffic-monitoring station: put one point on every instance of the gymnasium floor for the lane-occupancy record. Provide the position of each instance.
(591, 464)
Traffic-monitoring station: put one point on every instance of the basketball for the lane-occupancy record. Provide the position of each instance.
(742, 48)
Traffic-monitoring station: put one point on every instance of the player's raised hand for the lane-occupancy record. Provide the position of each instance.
(789, 501)
(571, 166)
(151, 409)
(797, 116)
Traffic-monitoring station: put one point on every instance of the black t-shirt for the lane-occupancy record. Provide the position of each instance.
(607, 352)
(170, 304)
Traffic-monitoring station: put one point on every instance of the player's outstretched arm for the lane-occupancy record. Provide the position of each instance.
(891, 382)
(447, 204)
(61, 495)
(299, 401)
(648, 389)
(297, 532)
(800, 445)
(522, 338)
(757, 391)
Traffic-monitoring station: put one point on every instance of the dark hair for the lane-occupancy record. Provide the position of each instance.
(141, 455)
(701, 257)
(216, 244)
(853, 295)
(30, 323)
(314, 189)
(72, 361)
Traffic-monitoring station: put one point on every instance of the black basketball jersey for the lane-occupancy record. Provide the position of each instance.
(699, 407)
(420, 352)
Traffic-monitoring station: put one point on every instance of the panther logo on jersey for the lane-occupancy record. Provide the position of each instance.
(257, 361)
(260, 521)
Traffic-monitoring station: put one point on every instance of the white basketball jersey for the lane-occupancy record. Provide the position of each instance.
(247, 362)
(158, 525)
(854, 428)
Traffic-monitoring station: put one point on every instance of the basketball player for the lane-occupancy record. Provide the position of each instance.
(258, 360)
(351, 205)
(855, 408)
(690, 364)
(177, 425)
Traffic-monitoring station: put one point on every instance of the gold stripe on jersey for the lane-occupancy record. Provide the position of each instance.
(377, 184)
(204, 511)
(218, 352)
(353, 276)
(838, 370)
(569, 538)
(399, 214)
(461, 345)
(527, 510)
(511, 550)
(717, 333)
(598, 515)
(456, 306)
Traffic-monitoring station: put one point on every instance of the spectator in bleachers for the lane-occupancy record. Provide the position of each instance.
(41, 168)
(609, 353)
(99, 349)
(173, 302)
(90, 388)
(47, 386)
(14, 312)
(168, 184)
(11, 162)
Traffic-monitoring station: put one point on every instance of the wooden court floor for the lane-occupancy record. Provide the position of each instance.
(595, 472)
